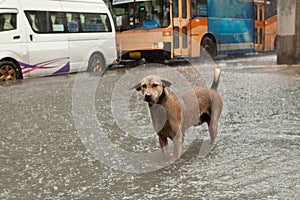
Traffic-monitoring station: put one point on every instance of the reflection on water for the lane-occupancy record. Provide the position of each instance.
(257, 155)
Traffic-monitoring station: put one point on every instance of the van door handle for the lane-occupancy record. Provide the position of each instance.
(16, 37)
(31, 37)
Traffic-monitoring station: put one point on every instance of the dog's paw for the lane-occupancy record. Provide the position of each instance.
(174, 159)
(205, 149)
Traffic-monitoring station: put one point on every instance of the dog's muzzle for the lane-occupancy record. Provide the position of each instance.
(148, 97)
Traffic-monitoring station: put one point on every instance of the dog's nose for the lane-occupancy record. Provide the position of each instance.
(148, 97)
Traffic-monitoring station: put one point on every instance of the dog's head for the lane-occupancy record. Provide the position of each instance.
(152, 87)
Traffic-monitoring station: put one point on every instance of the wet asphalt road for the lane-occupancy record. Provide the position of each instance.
(52, 149)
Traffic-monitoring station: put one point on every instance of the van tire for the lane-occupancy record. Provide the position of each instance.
(96, 63)
(209, 46)
(8, 71)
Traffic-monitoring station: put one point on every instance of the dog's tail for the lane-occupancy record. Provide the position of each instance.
(215, 83)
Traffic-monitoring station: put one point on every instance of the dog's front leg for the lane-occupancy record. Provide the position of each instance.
(178, 141)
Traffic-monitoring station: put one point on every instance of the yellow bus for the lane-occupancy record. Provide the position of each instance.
(166, 29)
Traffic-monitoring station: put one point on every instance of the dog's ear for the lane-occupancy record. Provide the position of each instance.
(137, 87)
(166, 83)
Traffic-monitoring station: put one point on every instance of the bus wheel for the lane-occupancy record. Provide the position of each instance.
(96, 63)
(209, 46)
(8, 71)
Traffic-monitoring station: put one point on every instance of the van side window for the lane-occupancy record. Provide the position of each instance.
(68, 22)
(73, 22)
(38, 21)
(57, 22)
(8, 21)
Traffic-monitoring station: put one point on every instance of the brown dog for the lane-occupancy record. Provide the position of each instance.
(173, 114)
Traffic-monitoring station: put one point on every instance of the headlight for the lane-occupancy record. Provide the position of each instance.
(158, 45)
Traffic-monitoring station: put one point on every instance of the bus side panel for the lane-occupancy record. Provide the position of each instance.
(198, 30)
(143, 40)
(270, 33)
(232, 22)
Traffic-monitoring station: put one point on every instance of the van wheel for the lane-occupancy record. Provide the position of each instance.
(209, 46)
(8, 71)
(96, 63)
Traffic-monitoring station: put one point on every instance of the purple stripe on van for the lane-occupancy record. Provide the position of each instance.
(26, 68)
(65, 68)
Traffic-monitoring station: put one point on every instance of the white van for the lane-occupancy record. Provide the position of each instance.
(47, 37)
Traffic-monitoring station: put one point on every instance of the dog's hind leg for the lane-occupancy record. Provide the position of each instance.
(213, 123)
(213, 130)
(216, 109)
(163, 142)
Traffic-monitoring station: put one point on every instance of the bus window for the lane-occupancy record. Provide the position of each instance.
(270, 9)
(175, 9)
(176, 38)
(184, 38)
(199, 8)
(259, 12)
(184, 9)
(193, 9)
(202, 9)
(141, 14)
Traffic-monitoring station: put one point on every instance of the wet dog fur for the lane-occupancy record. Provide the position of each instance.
(172, 114)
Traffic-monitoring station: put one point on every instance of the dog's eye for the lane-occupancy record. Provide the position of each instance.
(144, 86)
(154, 85)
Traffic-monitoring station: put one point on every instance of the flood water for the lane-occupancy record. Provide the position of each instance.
(79, 136)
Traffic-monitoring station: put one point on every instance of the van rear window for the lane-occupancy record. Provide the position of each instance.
(67, 22)
(8, 21)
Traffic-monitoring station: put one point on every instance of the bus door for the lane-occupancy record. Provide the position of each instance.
(181, 28)
(259, 25)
